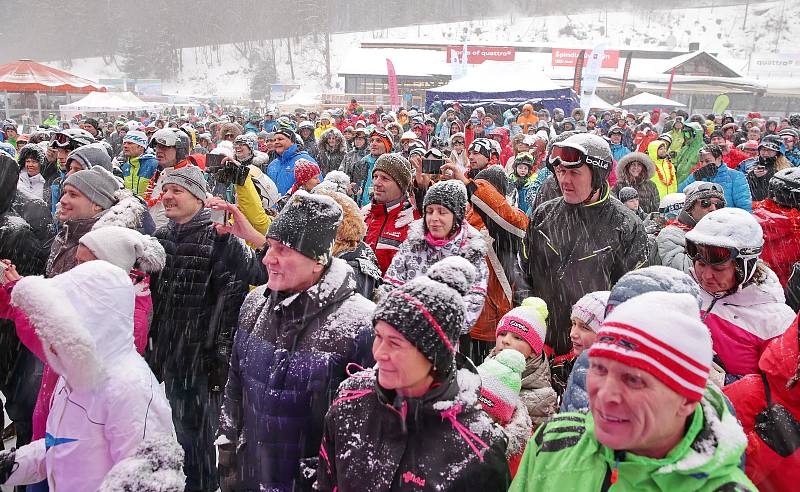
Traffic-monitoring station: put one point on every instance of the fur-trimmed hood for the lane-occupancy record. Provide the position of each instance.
(341, 145)
(647, 162)
(85, 315)
(31, 150)
(128, 212)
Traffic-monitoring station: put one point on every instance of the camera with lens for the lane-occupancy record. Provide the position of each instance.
(232, 172)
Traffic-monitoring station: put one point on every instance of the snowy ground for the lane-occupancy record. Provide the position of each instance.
(723, 30)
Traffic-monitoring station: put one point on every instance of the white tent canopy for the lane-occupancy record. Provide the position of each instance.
(109, 102)
(600, 103)
(501, 77)
(300, 99)
(647, 99)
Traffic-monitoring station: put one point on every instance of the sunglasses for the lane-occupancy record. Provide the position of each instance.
(229, 135)
(458, 142)
(708, 203)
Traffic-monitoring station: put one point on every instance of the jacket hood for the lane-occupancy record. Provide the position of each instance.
(652, 149)
(31, 150)
(9, 175)
(322, 141)
(85, 315)
(647, 162)
(780, 361)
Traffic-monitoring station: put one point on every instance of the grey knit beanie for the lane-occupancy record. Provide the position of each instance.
(90, 156)
(98, 184)
(189, 177)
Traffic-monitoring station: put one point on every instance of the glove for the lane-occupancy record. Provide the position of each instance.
(704, 172)
(7, 462)
(226, 469)
(218, 366)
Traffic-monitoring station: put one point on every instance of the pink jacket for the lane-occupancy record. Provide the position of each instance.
(27, 335)
(742, 323)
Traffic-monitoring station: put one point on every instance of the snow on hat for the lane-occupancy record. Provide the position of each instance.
(304, 170)
(671, 205)
(334, 181)
(591, 309)
(248, 139)
(627, 193)
(528, 321)
(674, 347)
(308, 224)
(136, 137)
(189, 177)
(396, 166)
(700, 190)
(451, 194)
(98, 184)
(429, 310)
(656, 278)
(501, 381)
(125, 248)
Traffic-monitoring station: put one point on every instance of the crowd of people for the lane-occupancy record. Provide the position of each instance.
(446, 298)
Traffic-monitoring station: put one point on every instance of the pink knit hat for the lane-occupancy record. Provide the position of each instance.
(527, 321)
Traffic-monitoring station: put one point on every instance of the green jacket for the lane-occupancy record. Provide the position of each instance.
(565, 455)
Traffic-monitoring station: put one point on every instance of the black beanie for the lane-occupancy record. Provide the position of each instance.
(308, 224)
(451, 194)
(429, 310)
(496, 176)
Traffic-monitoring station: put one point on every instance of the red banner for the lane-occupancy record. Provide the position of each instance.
(625, 76)
(669, 86)
(394, 97)
(579, 62)
(567, 57)
(479, 54)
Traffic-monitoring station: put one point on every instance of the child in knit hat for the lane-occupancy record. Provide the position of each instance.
(523, 329)
(501, 382)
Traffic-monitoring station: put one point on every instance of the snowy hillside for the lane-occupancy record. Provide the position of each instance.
(769, 27)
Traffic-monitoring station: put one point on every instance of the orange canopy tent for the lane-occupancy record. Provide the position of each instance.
(29, 76)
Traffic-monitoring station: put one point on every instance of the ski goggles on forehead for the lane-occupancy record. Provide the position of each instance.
(717, 255)
(571, 157)
(60, 140)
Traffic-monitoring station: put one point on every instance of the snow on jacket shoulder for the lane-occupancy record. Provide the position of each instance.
(107, 400)
(565, 454)
(444, 441)
(773, 464)
(671, 241)
(416, 255)
(288, 359)
(742, 323)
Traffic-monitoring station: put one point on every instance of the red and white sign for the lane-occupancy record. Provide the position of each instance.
(566, 57)
(479, 54)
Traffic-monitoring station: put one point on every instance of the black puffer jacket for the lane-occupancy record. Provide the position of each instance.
(290, 355)
(18, 244)
(197, 296)
(378, 441)
(575, 249)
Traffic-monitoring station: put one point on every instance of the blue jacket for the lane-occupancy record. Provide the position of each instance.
(288, 358)
(619, 151)
(734, 184)
(147, 167)
(268, 126)
(251, 128)
(281, 170)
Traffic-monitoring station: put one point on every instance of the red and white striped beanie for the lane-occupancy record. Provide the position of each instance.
(674, 346)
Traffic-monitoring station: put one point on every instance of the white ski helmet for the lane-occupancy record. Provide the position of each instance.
(671, 205)
(731, 229)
